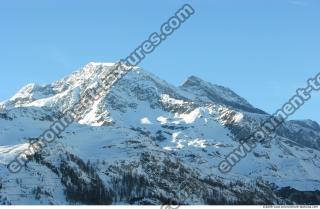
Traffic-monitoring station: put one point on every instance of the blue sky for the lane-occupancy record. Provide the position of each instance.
(262, 49)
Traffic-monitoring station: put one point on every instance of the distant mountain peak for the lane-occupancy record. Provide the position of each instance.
(191, 80)
(208, 92)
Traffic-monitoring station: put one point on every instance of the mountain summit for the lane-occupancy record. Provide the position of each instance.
(207, 92)
(145, 141)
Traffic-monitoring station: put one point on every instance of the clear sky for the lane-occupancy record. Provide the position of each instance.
(261, 49)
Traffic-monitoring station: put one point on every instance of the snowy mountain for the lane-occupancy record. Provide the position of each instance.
(148, 142)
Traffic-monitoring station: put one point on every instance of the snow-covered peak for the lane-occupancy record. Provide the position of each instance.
(138, 84)
(32, 92)
(208, 92)
(191, 80)
(81, 78)
(307, 124)
(148, 127)
(212, 91)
